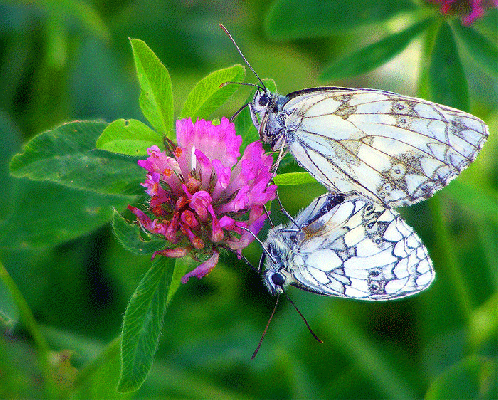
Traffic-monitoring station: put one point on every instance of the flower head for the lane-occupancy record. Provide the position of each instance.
(203, 198)
(469, 10)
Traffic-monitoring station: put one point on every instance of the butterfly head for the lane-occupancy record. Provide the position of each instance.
(265, 109)
(272, 265)
(274, 281)
(259, 105)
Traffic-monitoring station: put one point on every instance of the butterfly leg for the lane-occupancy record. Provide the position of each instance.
(281, 154)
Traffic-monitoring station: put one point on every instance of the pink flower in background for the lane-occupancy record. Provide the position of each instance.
(202, 195)
(469, 10)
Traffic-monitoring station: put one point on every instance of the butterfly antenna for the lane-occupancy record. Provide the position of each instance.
(286, 213)
(268, 216)
(232, 118)
(249, 263)
(261, 244)
(266, 329)
(304, 319)
(238, 83)
(243, 57)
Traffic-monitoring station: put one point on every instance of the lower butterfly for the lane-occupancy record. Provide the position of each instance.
(393, 149)
(347, 246)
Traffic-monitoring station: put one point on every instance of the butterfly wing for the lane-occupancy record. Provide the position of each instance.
(361, 250)
(393, 149)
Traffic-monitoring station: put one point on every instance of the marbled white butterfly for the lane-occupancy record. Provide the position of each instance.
(347, 246)
(393, 149)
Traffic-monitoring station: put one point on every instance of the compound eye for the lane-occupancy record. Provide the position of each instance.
(278, 279)
(263, 100)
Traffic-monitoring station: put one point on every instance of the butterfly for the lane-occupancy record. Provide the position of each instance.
(393, 149)
(346, 246)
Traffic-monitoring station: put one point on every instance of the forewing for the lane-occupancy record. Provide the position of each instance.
(362, 251)
(393, 149)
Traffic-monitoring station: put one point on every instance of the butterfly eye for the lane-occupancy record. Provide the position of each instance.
(278, 279)
(263, 100)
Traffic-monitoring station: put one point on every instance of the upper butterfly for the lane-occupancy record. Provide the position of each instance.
(393, 149)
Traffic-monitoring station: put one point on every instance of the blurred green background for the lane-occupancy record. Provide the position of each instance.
(67, 60)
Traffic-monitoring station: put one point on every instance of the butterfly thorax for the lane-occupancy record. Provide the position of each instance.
(266, 115)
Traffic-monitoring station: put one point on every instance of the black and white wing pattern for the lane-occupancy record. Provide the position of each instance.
(392, 149)
(347, 246)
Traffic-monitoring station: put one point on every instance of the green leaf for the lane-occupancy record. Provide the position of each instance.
(293, 179)
(297, 19)
(182, 265)
(67, 155)
(447, 83)
(476, 200)
(131, 237)
(79, 10)
(427, 45)
(46, 214)
(99, 379)
(473, 377)
(128, 136)
(156, 95)
(32, 327)
(374, 55)
(207, 95)
(143, 323)
(483, 325)
(481, 49)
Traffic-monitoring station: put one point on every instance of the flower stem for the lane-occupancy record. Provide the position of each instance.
(28, 320)
(109, 351)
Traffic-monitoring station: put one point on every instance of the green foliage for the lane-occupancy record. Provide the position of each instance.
(100, 379)
(208, 94)
(142, 323)
(156, 95)
(47, 214)
(130, 237)
(374, 55)
(129, 137)
(67, 155)
(447, 82)
(295, 19)
(481, 49)
(293, 179)
(472, 378)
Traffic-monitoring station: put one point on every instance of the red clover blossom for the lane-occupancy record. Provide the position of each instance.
(470, 10)
(201, 193)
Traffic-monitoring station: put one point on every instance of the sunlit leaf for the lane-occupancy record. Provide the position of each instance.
(156, 95)
(374, 55)
(293, 178)
(207, 95)
(128, 136)
(484, 322)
